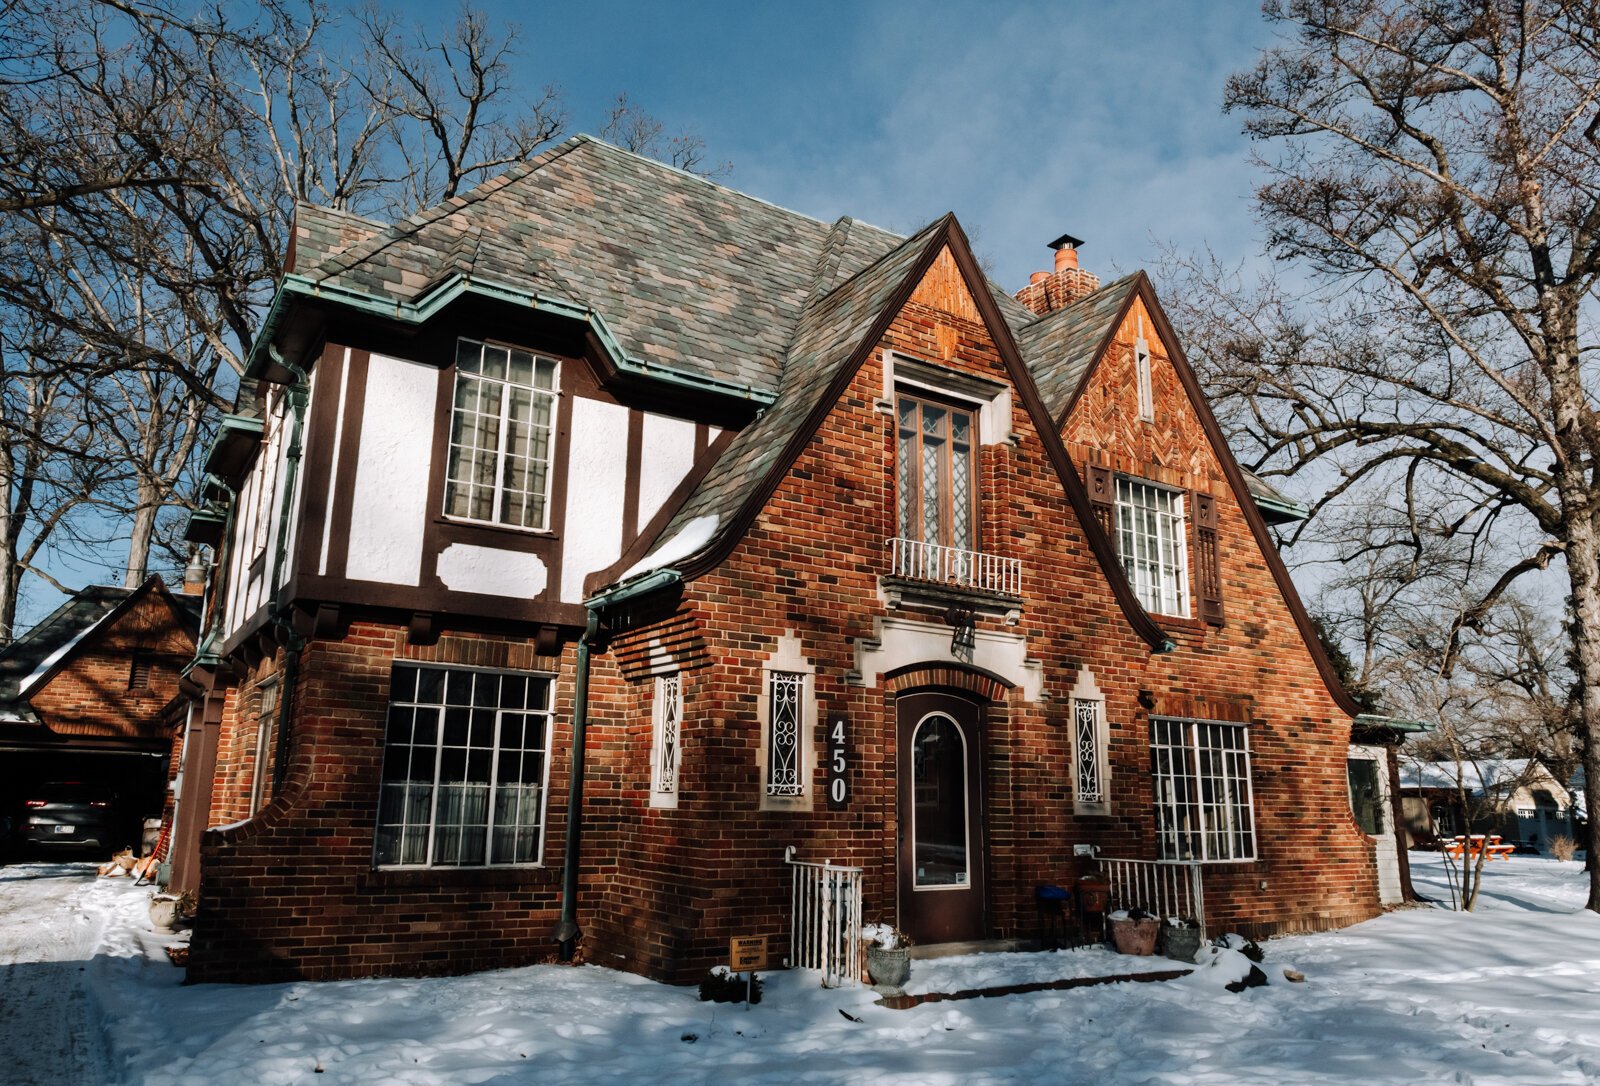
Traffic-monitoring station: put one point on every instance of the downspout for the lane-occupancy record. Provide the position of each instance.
(566, 930)
(299, 394)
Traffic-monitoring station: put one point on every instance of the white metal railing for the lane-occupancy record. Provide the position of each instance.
(825, 933)
(1161, 887)
(946, 565)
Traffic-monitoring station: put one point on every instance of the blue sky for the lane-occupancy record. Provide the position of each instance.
(1028, 120)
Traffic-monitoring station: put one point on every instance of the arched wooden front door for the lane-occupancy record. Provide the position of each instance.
(941, 818)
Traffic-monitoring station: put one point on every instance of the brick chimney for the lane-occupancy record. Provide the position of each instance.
(1047, 292)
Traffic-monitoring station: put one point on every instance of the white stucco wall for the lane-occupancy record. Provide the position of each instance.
(668, 448)
(389, 509)
(1385, 844)
(492, 572)
(596, 487)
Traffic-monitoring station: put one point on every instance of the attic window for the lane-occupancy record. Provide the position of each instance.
(139, 671)
(1141, 364)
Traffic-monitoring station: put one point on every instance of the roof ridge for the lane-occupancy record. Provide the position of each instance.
(828, 260)
(1077, 302)
(669, 168)
(405, 228)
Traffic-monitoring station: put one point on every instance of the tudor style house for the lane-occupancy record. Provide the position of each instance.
(596, 541)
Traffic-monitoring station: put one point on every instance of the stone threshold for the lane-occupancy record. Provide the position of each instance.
(906, 1002)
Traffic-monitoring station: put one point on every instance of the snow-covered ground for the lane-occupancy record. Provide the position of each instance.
(1510, 994)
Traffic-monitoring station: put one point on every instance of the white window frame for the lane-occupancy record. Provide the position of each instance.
(541, 523)
(1161, 585)
(545, 715)
(666, 740)
(1192, 825)
(1091, 764)
(788, 665)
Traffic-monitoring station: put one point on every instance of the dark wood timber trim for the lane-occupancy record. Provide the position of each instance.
(321, 425)
(634, 459)
(342, 501)
(647, 536)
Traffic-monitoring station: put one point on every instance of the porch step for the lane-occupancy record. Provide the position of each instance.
(975, 946)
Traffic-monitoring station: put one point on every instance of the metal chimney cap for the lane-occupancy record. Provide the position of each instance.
(1066, 241)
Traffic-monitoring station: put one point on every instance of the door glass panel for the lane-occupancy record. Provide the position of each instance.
(939, 808)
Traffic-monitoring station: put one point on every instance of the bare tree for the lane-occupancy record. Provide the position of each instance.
(631, 128)
(1437, 162)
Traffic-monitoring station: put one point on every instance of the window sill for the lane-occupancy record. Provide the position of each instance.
(493, 526)
(424, 878)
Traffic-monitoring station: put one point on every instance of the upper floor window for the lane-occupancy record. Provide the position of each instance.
(935, 473)
(664, 745)
(1141, 362)
(501, 436)
(465, 761)
(1151, 544)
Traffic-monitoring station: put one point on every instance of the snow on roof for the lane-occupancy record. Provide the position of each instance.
(1493, 775)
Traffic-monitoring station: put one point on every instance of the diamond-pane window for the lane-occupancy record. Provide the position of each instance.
(937, 499)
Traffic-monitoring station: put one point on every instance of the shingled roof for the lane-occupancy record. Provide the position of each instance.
(1060, 347)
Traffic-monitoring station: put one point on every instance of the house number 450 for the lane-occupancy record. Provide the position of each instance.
(838, 763)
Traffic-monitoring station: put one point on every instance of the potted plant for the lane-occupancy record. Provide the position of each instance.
(1179, 938)
(888, 957)
(163, 912)
(1134, 932)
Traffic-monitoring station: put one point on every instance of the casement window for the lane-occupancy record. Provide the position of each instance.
(665, 740)
(465, 768)
(266, 732)
(501, 436)
(1152, 546)
(936, 472)
(1091, 768)
(1204, 803)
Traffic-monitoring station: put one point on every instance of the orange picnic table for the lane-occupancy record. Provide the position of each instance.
(1470, 847)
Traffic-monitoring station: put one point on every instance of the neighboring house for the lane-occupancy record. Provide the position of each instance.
(765, 532)
(1517, 798)
(90, 693)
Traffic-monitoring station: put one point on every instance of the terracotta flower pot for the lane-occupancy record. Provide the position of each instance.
(1135, 936)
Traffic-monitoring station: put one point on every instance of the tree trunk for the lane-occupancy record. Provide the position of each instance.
(1583, 569)
(142, 532)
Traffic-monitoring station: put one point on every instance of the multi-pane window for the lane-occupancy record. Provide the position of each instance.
(937, 498)
(664, 745)
(464, 768)
(1204, 806)
(1150, 542)
(500, 436)
(785, 691)
(266, 731)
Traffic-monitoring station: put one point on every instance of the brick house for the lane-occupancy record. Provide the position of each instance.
(90, 694)
(605, 489)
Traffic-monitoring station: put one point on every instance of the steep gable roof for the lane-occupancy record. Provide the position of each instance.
(1139, 287)
(30, 659)
(1062, 347)
(320, 232)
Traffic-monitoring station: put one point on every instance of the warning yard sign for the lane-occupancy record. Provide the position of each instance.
(747, 953)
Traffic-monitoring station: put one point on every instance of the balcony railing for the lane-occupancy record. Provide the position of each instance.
(974, 570)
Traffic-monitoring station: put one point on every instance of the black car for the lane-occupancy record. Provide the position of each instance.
(67, 814)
